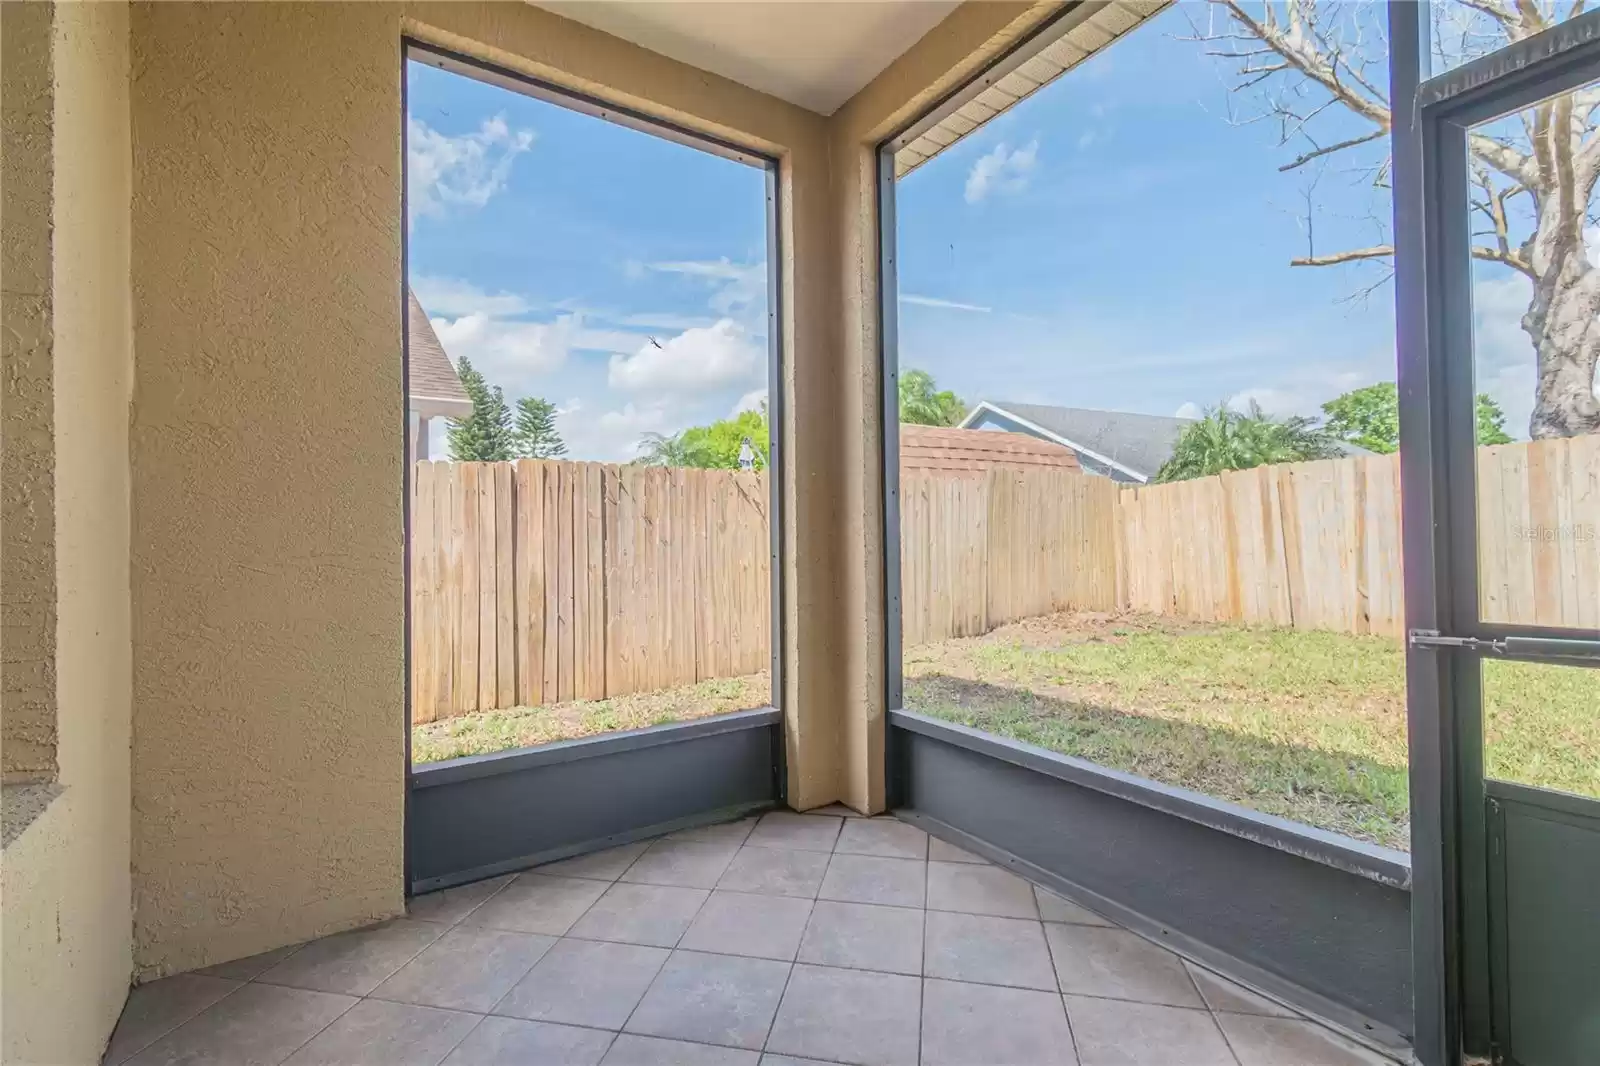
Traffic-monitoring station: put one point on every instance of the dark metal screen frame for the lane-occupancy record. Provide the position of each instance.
(1452, 950)
(523, 760)
(889, 407)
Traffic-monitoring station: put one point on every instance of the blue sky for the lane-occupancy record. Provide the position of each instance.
(1120, 240)
(617, 274)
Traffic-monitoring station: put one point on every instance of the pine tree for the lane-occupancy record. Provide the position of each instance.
(484, 436)
(535, 435)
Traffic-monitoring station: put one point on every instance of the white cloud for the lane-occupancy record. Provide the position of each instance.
(664, 320)
(589, 339)
(696, 359)
(738, 287)
(723, 269)
(934, 301)
(614, 436)
(1278, 402)
(1503, 356)
(465, 170)
(509, 354)
(516, 354)
(453, 298)
(1303, 391)
(1002, 170)
(753, 400)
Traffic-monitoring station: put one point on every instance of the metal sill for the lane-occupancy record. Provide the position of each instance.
(486, 815)
(1383, 865)
(468, 767)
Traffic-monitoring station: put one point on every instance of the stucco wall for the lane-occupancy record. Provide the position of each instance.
(27, 461)
(267, 476)
(66, 929)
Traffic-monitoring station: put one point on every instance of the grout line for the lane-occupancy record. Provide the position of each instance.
(319, 1032)
(179, 1024)
(860, 969)
(922, 964)
(778, 1007)
(464, 1035)
(507, 883)
(645, 995)
(1050, 952)
(786, 847)
(1125, 999)
(1211, 1011)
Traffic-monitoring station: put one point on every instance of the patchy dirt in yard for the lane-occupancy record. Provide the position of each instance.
(1083, 627)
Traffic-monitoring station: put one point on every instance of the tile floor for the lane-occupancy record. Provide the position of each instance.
(777, 941)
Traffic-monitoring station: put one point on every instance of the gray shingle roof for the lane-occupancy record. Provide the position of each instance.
(432, 375)
(1139, 442)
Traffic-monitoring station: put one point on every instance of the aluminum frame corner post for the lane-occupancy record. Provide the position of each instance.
(1435, 920)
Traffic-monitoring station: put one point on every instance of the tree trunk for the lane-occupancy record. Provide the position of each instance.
(1563, 321)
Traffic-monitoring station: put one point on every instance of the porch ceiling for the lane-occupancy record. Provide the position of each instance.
(1085, 29)
(814, 55)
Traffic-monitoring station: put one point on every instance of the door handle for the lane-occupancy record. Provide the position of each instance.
(1571, 649)
(1432, 638)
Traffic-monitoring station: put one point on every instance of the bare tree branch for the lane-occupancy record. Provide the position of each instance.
(1383, 251)
(1510, 259)
(1377, 251)
(1496, 10)
(1317, 153)
(1297, 49)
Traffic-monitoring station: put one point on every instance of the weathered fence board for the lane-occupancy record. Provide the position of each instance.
(534, 582)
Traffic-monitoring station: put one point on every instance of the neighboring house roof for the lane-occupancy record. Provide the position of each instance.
(434, 387)
(941, 448)
(1136, 444)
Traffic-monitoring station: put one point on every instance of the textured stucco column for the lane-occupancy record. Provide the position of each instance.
(268, 434)
(947, 56)
(66, 937)
(27, 462)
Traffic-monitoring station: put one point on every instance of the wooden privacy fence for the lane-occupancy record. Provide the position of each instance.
(1317, 545)
(1310, 545)
(535, 582)
(979, 550)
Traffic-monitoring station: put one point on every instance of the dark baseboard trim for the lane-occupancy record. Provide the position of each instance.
(491, 814)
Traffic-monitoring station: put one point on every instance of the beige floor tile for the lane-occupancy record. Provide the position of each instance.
(356, 962)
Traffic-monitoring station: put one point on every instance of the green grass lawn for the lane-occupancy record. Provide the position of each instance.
(523, 727)
(1306, 725)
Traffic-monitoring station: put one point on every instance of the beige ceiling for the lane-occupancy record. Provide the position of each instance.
(814, 54)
